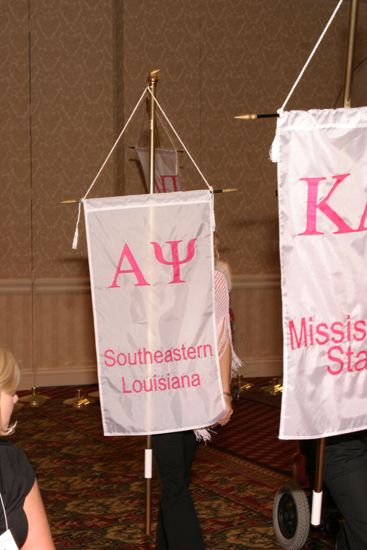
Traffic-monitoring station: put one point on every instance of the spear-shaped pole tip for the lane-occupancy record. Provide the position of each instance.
(153, 76)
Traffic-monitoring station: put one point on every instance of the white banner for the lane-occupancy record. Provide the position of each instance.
(322, 181)
(166, 178)
(152, 277)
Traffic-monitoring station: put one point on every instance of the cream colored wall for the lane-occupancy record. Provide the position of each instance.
(63, 339)
(61, 107)
(60, 339)
(256, 303)
(69, 85)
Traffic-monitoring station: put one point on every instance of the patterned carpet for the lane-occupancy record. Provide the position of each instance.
(252, 434)
(94, 491)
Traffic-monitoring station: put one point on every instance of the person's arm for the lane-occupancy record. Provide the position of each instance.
(225, 363)
(39, 535)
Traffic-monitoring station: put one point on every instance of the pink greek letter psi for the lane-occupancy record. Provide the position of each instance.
(175, 262)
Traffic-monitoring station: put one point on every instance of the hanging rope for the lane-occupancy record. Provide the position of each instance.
(182, 143)
(311, 55)
(170, 140)
(166, 131)
(76, 233)
(147, 89)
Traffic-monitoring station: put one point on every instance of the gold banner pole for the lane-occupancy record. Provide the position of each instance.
(152, 83)
(348, 77)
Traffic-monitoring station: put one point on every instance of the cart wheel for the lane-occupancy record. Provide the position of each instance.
(291, 516)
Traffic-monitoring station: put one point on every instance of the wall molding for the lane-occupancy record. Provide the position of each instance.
(64, 338)
(75, 285)
(82, 285)
(55, 376)
(260, 280)
(267, 366)
(15, 286)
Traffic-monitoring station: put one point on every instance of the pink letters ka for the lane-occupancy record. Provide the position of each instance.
(314, 205)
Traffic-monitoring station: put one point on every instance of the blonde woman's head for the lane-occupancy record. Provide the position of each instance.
(9, 380)
(9, 372)
(219, 264)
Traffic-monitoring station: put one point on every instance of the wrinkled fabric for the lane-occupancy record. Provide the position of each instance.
(152, 278)
(322, 191)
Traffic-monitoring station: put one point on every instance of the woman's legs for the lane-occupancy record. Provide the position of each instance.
(178, 525)
(346, 477)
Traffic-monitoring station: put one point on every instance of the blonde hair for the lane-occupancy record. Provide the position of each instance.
(9, 380)
(220, 265)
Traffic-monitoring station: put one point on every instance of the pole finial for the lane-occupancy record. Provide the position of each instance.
(254, 116)
(153, 76)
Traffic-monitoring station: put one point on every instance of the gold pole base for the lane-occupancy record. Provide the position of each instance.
(34, 399)
(274, 388)
(240, 385)
(247, 387)
(78, 402)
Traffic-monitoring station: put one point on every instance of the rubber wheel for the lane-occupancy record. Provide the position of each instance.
(291, 516)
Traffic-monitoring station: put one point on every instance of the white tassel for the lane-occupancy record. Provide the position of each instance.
(236, 362)
(75, 239)
(204, 434)
(76, 233)
(274, 153)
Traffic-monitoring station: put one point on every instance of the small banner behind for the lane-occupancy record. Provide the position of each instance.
(166, 178)
(152, 277)
(322, 181)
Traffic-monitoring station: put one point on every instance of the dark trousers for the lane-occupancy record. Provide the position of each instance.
(346, 477)
(178, 525)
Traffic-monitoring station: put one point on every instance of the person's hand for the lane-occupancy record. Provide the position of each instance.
(228, 412)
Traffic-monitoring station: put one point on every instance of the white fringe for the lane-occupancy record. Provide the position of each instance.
(236, 362)
(204, 434)
(76, 233)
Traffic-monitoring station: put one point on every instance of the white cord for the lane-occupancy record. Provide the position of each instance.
(180, 140)
(5, 516)
(171, 141)
(166, 131)
(311, 55)
(76, 232)
(116, 142)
